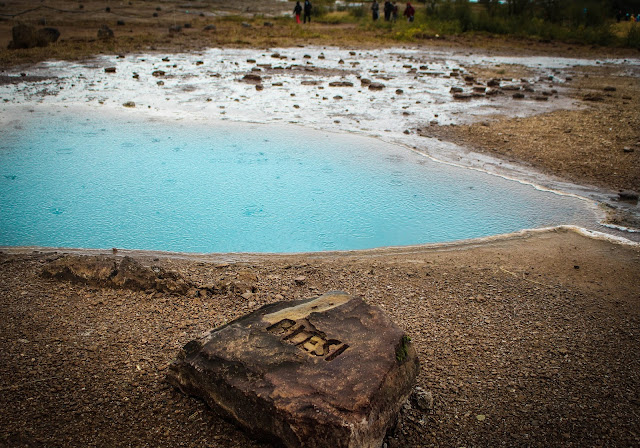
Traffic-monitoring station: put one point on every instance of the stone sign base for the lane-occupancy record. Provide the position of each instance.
(326, 372)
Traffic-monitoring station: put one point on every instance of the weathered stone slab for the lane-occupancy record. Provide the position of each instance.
(326, 372)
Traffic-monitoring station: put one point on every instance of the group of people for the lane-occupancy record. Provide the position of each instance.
(299, 9)
(391, 11)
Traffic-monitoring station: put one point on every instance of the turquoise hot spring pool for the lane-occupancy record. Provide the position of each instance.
(136, 182)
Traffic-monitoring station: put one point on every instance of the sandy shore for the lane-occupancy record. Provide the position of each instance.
(528, 340)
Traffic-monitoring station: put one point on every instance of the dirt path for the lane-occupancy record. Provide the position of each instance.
(527, 341)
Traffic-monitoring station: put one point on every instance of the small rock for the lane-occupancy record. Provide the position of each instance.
(246, 25)
(340, 84)
(455, 90)
(158, 73)
(609, 89)
(399, 91)
(129, 104)
(175, 29)
(376, 86)
(628, 195)
(210, 28)
(300, 280)
(518, 96)
(110, 70)
(481, 417)
(627, 149)
(105, 33)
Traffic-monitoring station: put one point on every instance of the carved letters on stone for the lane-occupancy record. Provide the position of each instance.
(302, 334)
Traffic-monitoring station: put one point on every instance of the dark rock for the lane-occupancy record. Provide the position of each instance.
(186, 25)
(326, 372)
(105, 33)
(252, 78)
(129, 104)
(510, 87)
(158, 73)
(106, 272)
(495, 82)
(399, 91)
(462, 96)
(628, 195)
(246, 24)
(27, 36)
(455, 90)
(155, 14)
(259, 87)
(268, 24)
(479, 89)
(175, 29)
(110, 70)
(518, 96)
(592, 97)
(376, 86)
(627, 149)
(365, 82)
(609, 89)
(422, 400)
(120, 23)
(492, 92)
(541, 98)
(340, 84)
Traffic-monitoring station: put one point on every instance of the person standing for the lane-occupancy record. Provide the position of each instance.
(409, 12)
(297, 10)
(375, 10)
(307, 11)
(388, 8)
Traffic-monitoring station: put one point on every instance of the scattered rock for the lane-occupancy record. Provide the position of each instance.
(462, 96)
(340, 84)
(246, 25)
(456, 90)
(541, 98)
(609, 89)
(628, 195)
(495, 82)
(120, 23)
(376, 86)
(300, 280)
(332, 370)
(399, 91)
(259, 87)
(592, 97)
(110, 70)
(129, 104)
(518, 96)
(175, 29)
(210, 28)
(364, 82)
(158, 73)
(252, 78)
(105, 33)
(268, 24)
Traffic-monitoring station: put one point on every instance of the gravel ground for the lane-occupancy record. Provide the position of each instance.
(529, 340)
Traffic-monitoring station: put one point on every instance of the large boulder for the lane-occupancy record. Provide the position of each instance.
(326, 372)
(27, 36)
(124, 273)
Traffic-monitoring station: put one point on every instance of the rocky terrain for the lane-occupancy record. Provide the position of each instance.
(524, 341)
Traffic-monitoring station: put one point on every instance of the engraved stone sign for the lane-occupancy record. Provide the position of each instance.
(326, 372)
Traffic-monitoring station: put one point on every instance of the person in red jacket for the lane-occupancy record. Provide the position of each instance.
(409, 12)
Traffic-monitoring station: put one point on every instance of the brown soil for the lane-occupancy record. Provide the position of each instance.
(524, 341)
(79, 21)
(598, 144)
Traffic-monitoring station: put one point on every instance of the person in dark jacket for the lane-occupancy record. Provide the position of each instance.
(297, 10)
(388, 9)
(307, 11)
(375, 10)
(409, 12)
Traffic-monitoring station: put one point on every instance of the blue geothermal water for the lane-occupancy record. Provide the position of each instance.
(73, 180)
